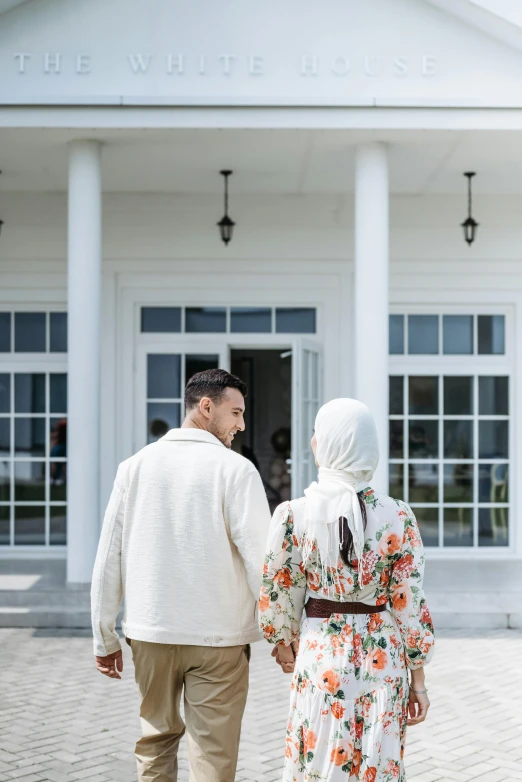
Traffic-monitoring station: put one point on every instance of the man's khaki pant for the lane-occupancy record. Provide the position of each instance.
(214, 682)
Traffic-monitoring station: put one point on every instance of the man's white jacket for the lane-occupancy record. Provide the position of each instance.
(182, 544)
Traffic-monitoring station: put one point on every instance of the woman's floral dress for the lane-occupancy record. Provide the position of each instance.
(349, 694)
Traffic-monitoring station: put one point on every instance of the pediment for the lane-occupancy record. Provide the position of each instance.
(237, 52)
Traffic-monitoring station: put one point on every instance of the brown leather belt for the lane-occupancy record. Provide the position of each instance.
(322, 609)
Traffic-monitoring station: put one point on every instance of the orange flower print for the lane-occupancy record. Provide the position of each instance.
(370, 774)
(359, 728)
(314, 580)
(329, 681)
(401, 596)
(374, 623)
(269, 631)
(356, 763)
(378, 659)
(402, 569)
(338, 710)
(335, 641)
(309, 740)
(264, 601)
(390, 544)
(425, 615)
(283, 578)
(346, 633)
(357, 651)
(342, 753)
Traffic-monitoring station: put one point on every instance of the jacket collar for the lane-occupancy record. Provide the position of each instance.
(192, 435)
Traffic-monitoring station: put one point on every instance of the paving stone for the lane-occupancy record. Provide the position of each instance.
(71, 724)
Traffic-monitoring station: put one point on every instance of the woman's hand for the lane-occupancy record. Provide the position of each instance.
(285, 657)
(418, 706)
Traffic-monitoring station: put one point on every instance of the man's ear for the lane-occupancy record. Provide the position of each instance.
(205, 406)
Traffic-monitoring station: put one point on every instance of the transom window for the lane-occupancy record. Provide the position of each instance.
(234, 320)
(448, 335)
(33, 332)
(33, 458)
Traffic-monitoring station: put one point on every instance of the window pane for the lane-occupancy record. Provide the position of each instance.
(493, 396)
(5, 332)
(58, 384)
(5, 436)
(158, 320)
(458, 526)
(29, 393)
(58, 437)
(295, 320)
(5, 393)
(493, 482)
(396, 395)
(424, 395)
(493, 527)
(206, 319)
(457, 334)
(428, 520)
(423, 334)
(491, 335)
(458, 483)
(458, 395)
(397, 481)
(424, 439)
(493, 439)
(58, 526)
(198, 363)
(396, 336)
(58, 332)
(5, 481)
(251, 320)
(162, 416)
(30, 332)
(423, 483)
(58, 480)
(30, 436)
(5, 526)
(29, 481)
(458, 439)
(29, 526)
(163, 376)
(396, 439)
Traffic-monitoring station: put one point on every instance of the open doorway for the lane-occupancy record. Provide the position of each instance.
(267, 439)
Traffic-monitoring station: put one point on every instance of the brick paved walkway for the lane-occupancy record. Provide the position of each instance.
(60, 720)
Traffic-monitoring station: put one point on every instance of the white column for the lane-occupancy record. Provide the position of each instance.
(84, 290)
(371, 291)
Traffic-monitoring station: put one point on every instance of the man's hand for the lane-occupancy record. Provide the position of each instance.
(112, 665)
(284, 657)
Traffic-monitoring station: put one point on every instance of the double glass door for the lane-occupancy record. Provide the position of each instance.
(163, 367)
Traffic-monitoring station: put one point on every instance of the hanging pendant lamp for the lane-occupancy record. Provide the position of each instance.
(469, 225)
(226, 225)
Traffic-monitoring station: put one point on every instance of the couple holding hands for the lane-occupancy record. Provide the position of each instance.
(336, 576)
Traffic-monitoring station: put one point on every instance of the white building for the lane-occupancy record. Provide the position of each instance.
(348, 126)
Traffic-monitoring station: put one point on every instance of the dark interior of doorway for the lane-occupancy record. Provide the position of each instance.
(267, 438)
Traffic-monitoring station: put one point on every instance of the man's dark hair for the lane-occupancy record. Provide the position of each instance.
(212, 383)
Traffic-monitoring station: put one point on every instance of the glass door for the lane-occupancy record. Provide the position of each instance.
(163, 368)
(306, 400)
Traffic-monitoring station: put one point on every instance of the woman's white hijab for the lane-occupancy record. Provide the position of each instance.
(347, 454)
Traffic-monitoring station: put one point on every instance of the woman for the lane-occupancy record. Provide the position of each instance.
(352, 561)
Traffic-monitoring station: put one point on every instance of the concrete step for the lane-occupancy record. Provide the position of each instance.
(45, 615)
(79, 599)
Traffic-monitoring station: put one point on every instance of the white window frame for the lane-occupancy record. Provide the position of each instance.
(468, 365)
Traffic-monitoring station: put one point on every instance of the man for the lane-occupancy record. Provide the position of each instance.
(183, 543)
